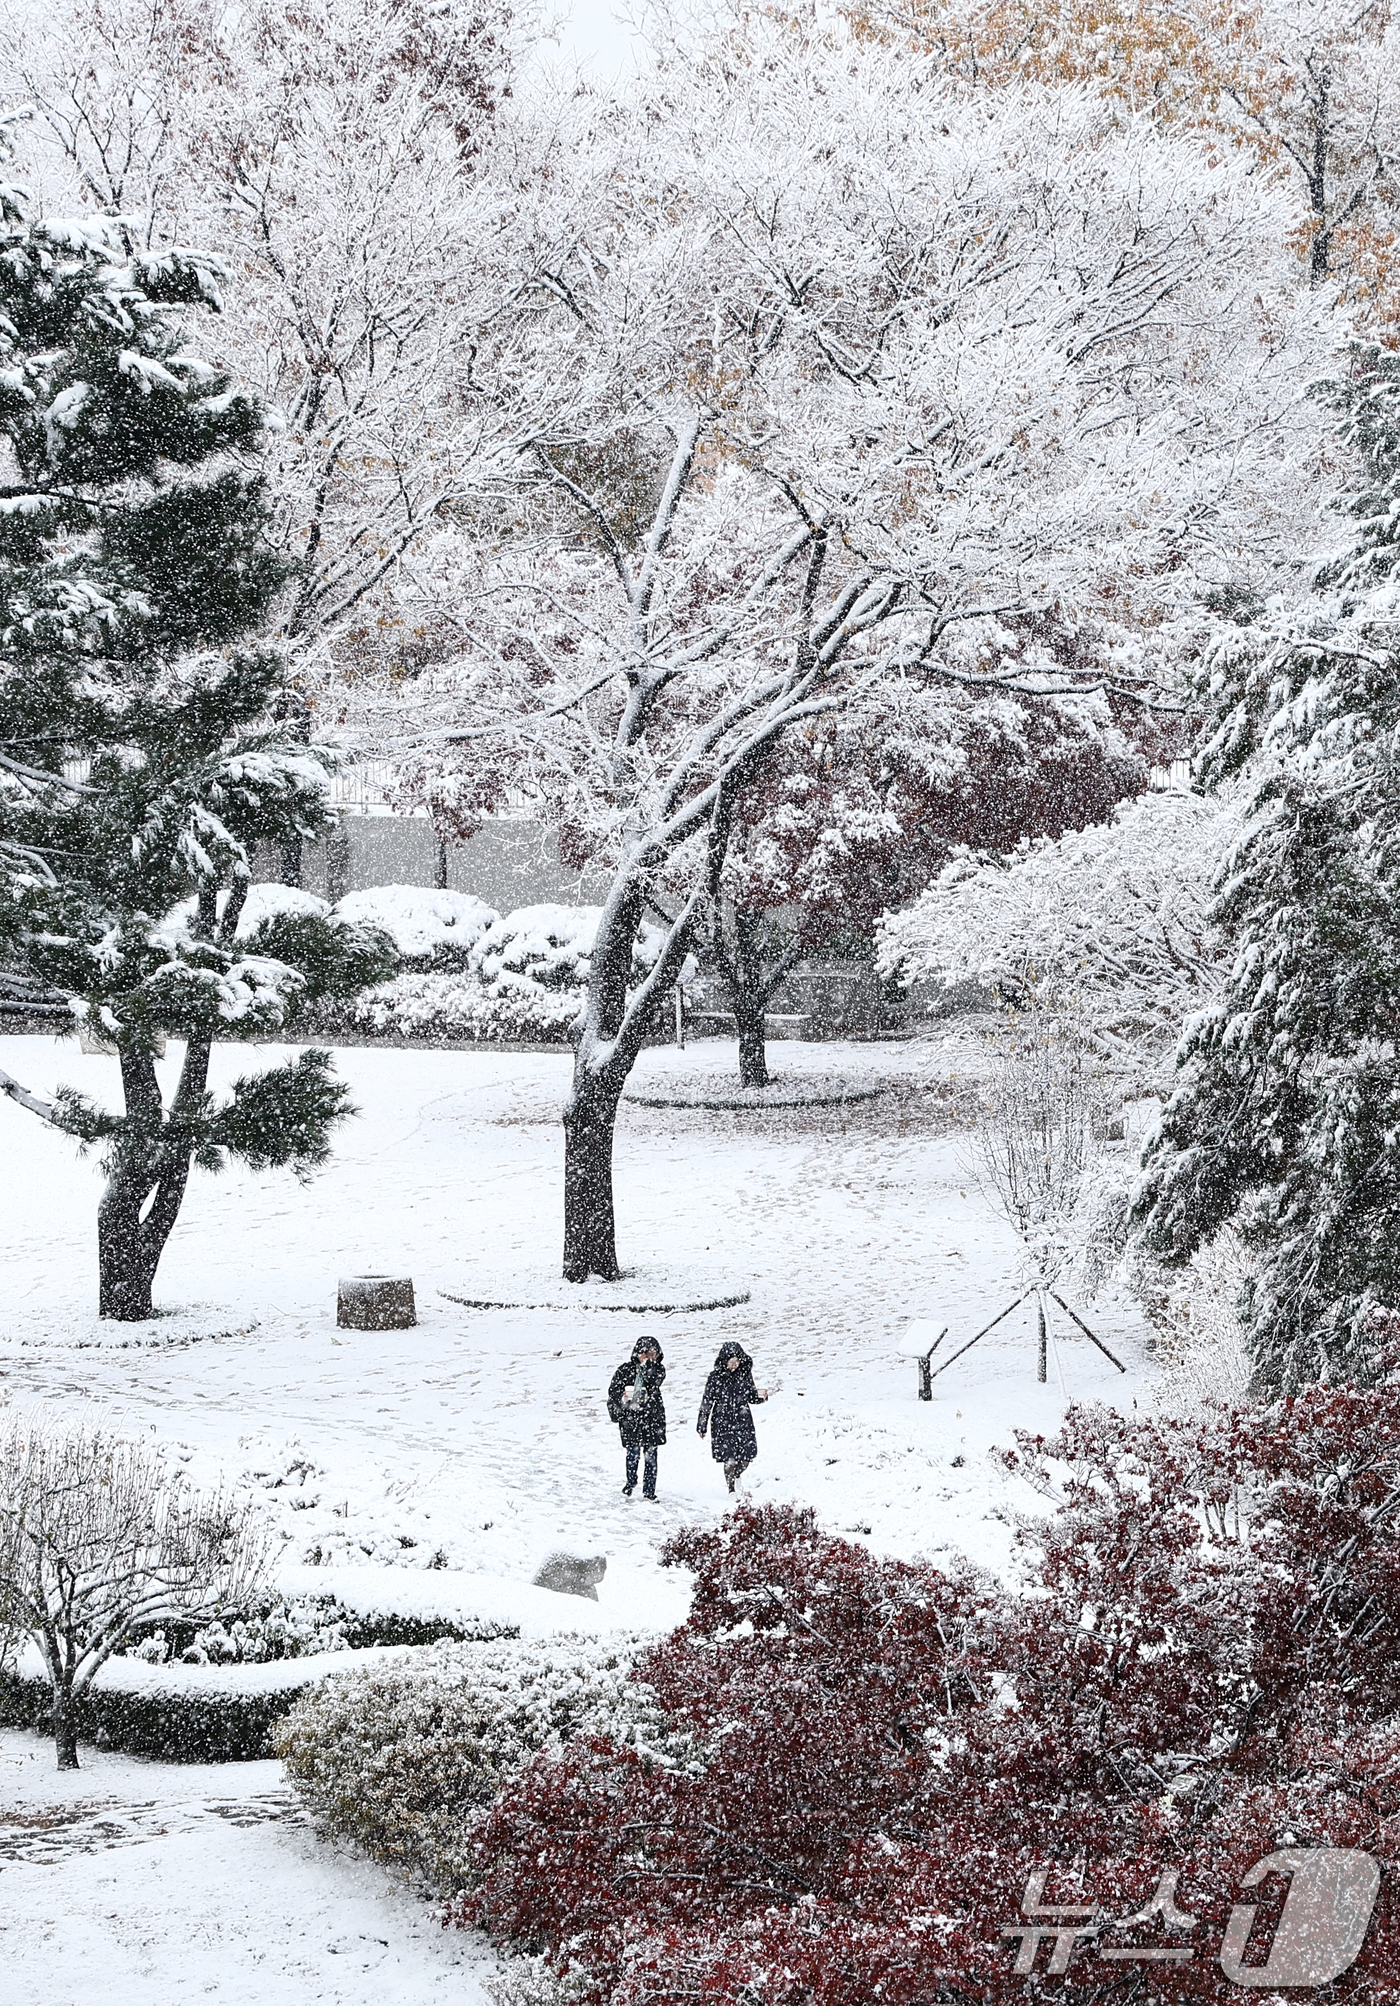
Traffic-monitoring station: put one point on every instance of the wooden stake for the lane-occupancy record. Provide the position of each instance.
(1087, 1332)
(1040, 1337)
(981, 1334)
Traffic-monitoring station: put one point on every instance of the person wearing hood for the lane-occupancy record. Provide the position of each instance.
(729, 1394)
(634, 1402)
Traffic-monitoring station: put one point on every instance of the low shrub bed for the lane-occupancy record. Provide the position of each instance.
(347, 1618)
(194, 1720)
(403, 1760)
(1192, 1692)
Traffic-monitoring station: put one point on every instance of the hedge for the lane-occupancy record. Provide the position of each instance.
(202, 1725)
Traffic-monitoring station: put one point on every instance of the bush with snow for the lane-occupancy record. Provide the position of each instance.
(550, 946)
(1116, 914)
(457, 1009)
(526, 981)
(263, 901)
(434, 930)
(1196, 1667)
(403, 1760)
(273, 1628)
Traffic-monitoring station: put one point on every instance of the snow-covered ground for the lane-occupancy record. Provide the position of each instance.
(480, 1439)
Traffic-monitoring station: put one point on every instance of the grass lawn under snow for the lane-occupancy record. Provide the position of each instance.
(481, 1438)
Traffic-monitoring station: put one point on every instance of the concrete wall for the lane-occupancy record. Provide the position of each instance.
(509, 863)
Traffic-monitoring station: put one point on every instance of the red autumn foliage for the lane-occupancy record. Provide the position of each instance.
(1199, 1669)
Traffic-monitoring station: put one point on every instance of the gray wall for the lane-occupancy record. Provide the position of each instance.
(508, 863)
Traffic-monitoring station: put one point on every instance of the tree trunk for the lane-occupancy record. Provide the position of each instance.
(147, 1167)
(123, 1277)
(590, 1237)
(750, 987)
(753, 1053)
(606, 1042)
(65, 1727)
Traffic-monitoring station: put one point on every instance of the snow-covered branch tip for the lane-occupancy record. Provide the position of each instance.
(45, 1110)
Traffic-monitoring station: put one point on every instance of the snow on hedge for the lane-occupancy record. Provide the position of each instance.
(403, 1759)
(552, 946)
(1116, 914)
(525, 982)
(264, 901)
(443, 1595)
(173, 1680)
(548, 945)
(456, 1009)
(436, 928)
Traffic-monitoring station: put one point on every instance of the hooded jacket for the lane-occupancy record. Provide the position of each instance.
(724, 1410)
(642, 1419)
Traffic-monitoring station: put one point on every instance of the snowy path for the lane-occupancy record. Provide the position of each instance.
(135, 1880)
(481, 1436)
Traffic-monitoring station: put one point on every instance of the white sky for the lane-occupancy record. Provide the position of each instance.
(593, 35)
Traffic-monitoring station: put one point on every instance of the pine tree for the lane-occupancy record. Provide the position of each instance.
(1287, 1119)
(140, 762)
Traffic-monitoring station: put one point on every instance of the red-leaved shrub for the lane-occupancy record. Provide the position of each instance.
(1201, 1667)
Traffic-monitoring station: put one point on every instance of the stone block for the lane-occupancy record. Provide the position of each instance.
(572, 1573)
(376, 1302)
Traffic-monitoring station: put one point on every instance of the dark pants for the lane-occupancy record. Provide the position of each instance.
(648, 1471)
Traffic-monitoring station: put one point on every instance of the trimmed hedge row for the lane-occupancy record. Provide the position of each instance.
(325, 1624)
(199, 1726)
(203, 1723)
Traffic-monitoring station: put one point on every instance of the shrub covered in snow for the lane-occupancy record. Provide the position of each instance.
(431, 929)
(457, 1008)
(535, 963)
(1204, 1669)
(526, 980)
(403, 1760)
(275, 1628)
(348, 1609)
(548, 946)
(263, 901)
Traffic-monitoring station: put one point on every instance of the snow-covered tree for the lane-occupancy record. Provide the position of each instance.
(139, 761)
(832, 375)
(328, 152)
(850, 819)
(100, 1537)
(1116, 915)
(1309, 88)
(1285, 1120)
(1041, 1130)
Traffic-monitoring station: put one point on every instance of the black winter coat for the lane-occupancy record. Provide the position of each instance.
(725, 1408)
(642, 1419)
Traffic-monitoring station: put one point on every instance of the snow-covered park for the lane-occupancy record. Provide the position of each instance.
(481, 1437)
(699, 730)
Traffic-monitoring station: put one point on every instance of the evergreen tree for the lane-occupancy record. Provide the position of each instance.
(1287, 1118)
(140, 761)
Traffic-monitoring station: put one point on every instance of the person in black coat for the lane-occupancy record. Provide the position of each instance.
(634, 1402)
(729, 1394)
